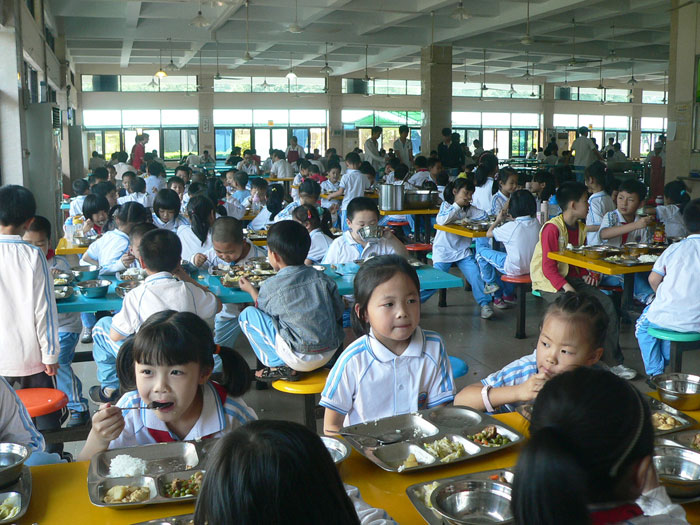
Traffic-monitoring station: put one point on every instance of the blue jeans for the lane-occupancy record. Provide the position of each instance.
(226, 332)
(642, 289)
(88, 319)
(488, 259)
(105, 351)
(66, 380)
(261, 332)
(656, 353)
(470, 270)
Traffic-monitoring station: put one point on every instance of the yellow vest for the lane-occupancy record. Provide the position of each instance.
(539, 281)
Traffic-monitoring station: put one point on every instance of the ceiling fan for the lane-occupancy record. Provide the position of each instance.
(218, 75)
(576, 61)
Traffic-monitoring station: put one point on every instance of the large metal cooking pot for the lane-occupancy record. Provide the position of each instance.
(391, 197)
(421, 199)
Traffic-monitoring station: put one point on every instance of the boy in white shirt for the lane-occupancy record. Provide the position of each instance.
(81, 190)
(419, 177)
(122, 166)
(328, 186)
(676, 307)
(353, 184)
(167, 287)
(29, 332)
(247, 164)
(280, 169)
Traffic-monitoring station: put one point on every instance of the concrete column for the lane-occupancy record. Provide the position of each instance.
(436, 94)
(207, 139)
(335, 107)
(636, 123)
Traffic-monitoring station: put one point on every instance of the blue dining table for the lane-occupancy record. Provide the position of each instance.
(430, 279)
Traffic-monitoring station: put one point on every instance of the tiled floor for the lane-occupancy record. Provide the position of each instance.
(486, 346)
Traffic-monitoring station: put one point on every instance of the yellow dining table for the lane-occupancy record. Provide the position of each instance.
(462, 231)
(421, 215)
(65, 247)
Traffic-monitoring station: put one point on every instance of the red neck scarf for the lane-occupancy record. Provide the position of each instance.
(618, 514)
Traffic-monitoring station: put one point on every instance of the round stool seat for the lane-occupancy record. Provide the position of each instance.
(42, 401)
(419, 247)
(670, 335)
(617, 289)
(429, 256)
(398, 223)
(516, 279)
(459, 367)
(310, 383)
(536, 293)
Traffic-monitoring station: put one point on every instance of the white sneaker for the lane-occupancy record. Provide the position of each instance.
(490, 288)
(486, 311)
(624, 372)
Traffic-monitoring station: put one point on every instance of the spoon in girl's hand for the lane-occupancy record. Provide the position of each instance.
(153, 405)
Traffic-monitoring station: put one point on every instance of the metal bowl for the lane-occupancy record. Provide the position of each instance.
(679, 471)
(370, 232)
(62, 292)
(596, 252)
(421, 199)
(634, 248)
(85, 273)
(338, 449)
(94, 289)
(122, 288)
(12, 457)
(472, 502)
(675, 239)
(84, 241)
(681, 391)
(68, 277)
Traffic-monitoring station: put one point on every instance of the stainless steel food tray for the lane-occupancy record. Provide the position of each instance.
(525, 410)
(164, 462)
(625, 262)
(121, 277)
(683, 438)
(182, 519)
(22, 489)
(686, 420)
(422, 427)
(415, 492)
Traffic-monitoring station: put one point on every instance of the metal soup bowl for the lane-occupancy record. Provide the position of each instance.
(473, 502)
(94, 289)
(122, 288)
(679, 471)
(370, 232)
(681, 391)
(85, 273)
(12, 457)
(338, 449)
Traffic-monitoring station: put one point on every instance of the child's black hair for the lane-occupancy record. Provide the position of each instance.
(310, 187)
(290, 241)
(691, 216)
(167, 200)
(314, 169)
(576, 455)
(171, 338)
(138, 231)
(122, 156)
(186, 169)
(481, 175)
(490, 162)
(241, 178)
(562, 174)
(582, 310)
(275, 200)
(677, 192)
(522, 204)
(155, 168)
(258, 183)
(443, 178)
(272, 472)
(353, 158)
(601, 175)
(175, 180)
(359, 204)
(545, 177)
(42, 225)
(394, 163)
(334, 166)
(103, 188)
(196, 188)
(100, 174)
(570, 192)
(80, 186)
(160, 250)
(127, 215)
(93, 204)
(432, 162)
(367, 169)
(634, 186)
(216, 191)
(453, 188)
(504, 174)
(227, 229)
(199, 210)
(138, 185)
(421, 162)
(374, 272)
(315, 217)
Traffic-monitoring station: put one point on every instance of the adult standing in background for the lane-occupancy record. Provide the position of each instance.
(371, 146)
(478, 150)
(403, 147)
(294, 151)
(553, 145)
(138, 151)
(585, 152)
(235, 157)
(450, 152)
(96, 162)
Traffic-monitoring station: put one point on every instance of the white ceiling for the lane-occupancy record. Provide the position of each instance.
(127, 33)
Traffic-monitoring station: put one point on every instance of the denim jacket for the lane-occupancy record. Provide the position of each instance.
(307, 308)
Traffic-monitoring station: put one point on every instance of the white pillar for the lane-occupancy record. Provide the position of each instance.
(436, 94)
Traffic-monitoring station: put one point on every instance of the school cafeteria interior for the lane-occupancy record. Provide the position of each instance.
(207, 80)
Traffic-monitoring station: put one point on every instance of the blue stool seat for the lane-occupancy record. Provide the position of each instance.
(536, 293)
(459, 367)
(680, 342)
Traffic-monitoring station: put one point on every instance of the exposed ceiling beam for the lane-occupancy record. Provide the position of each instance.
(133, 10)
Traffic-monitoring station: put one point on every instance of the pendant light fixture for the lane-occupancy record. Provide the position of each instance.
(265, 85)
(484, 87)
(247, 57)
(512, 91)
(612, 55)
(199, 21)
(466, 79)
(601, 87)
(664, 100)
(171, 66)
(326, 70)
(295, 27)
(632, 81)
(366, 77)
(153, 83)
(460, 13)
(160, 73)
(218, 74)
(291, 75)
(527, 75)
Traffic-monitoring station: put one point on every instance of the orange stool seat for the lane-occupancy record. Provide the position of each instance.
(42, 401)
(419, 247)
(309, 385)
(516, 279)
(398, 223)
(521, 282)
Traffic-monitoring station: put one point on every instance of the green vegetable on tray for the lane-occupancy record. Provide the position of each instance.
(182, 488)
(489, 437)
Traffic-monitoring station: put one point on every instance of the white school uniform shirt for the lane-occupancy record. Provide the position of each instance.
(328, 187)
(672, 220)
(346, 249)
(162, 291)
(266, 165)
(76, 205)
(677, 303)
(418, 178)
(144, 199)
(249, 168)
(370, 382)
(191, 243)
(217, 418)
(67, 322)
(354, 183)
(29, 331)
(404, 150)
(234, 208)
(497, 202)
(286, 213)
(583, 148)
(372, 154)
(296, 182)
(513, 374)
(482, 195)
(171, 225)
(448, 247)
(614, 218)
(121, 168)
(281, 169)
(108, 251)
(320, 243)
(519, 238)
(262, 219)
(15, 424)
(154, 184)
(599, 204)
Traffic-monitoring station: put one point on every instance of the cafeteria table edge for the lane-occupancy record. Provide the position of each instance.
(64, 247)
(462, 231)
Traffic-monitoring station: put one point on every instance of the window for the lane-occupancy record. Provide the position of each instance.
(308, 85)
(501, 120)
(232, 85)
(273, 85)
(223, 139)
(141, 117)
(270, 117)
(522, 141)
(178, 143)
(179, 117)
(358, 117)
(465, 118)
(653, 124)
(308, 117)
(468, 89)
(617, 95)
(593, 94)
(102, 118)
(525, 120)
(526, 91)
(413, 87)
(138, 83)
(590, 121)
(565, 121)
(233, 117)
(617, 122)
(653, 97)
(178, 83)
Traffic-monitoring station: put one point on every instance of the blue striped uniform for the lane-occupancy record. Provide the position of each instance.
(515, 373)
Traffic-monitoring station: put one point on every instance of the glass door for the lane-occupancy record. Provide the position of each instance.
(302, 135)
(502, 150)
(95, 142)
(279, 138)
(415, 139)
(262, 142)
(489, 139)
(112, 142)
(318, 140)
(223, 142)
(241, 138)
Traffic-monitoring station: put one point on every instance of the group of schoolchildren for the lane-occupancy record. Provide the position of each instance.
(172, 335)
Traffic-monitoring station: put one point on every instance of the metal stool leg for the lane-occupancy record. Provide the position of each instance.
(309, 412)
(442, 298)
(520, 326)
(676, 357)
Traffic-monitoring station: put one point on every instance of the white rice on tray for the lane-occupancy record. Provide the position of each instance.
(125, 466)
